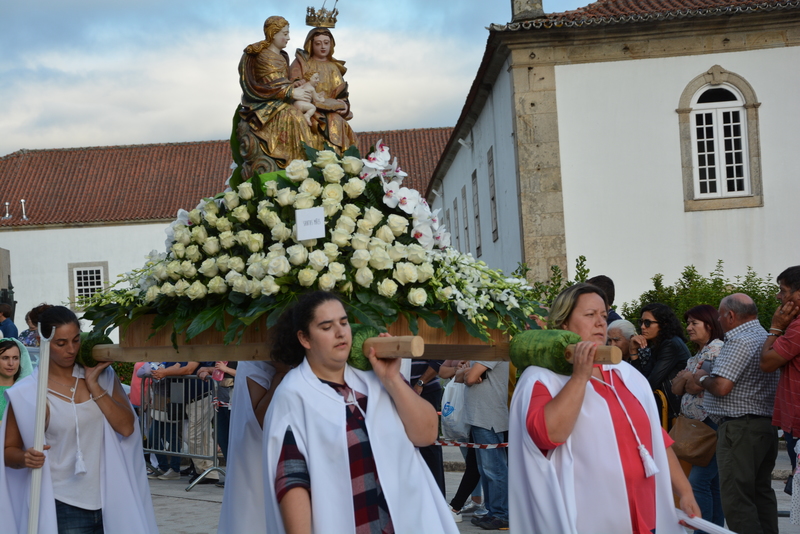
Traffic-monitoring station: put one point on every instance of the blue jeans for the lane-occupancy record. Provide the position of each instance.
(493, 467)
(705, 485)
(74, 520)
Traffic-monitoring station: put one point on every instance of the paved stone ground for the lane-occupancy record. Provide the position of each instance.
(197, 511)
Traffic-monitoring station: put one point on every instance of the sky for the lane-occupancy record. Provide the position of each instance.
(97, 73)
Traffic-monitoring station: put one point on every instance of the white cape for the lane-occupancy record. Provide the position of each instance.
(316, 414)
(579, 486)
(242, 508)
(127, 505)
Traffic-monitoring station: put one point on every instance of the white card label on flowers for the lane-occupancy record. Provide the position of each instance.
(310, 223)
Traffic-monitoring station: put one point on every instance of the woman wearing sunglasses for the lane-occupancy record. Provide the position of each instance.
(660, 351)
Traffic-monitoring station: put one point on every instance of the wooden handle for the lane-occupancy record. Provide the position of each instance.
(606, 354)
(395, 347)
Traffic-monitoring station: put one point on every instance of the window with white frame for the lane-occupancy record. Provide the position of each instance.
(85, 279)
(719, 135)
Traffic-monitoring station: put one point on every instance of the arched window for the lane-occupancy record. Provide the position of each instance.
(719, 140)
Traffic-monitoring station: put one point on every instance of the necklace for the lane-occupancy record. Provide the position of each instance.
(71, 388)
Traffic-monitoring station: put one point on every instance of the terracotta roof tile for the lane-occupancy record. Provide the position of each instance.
(623, 11)
(139, 183)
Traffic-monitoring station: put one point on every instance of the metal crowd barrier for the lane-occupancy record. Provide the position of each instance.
(178, 419)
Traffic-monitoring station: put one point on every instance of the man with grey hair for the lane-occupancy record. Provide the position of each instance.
(740, 397)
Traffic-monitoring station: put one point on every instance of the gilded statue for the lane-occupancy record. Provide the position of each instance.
(271, 129)
(331, 116)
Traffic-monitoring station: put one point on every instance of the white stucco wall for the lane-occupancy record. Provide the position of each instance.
(40, 258)
(621, 170)
(493, 129)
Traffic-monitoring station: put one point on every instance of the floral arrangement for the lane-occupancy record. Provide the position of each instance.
(237, 257)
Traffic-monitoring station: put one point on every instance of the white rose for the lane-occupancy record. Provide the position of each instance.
(354, 187)
(374, 243)
(264, 204)
(325, 158)
(351, 210)
(240, 284)
(308, 243)
(387, 288)
(256, 242)
(181, 286)
(340, 238)
(352, 165)
(224, 225)
(385, 234)
(444, 293)
(227, 239)
(278, 266)
(217, 285)
(424, 272)
(297, 254)
(380, 260)
(211, 246)
(245, 190)
(271, 188)
(243, 236)
(297, 170)
(360, 258)
(268, 286)
(333, 192)
(211, 219)
(346, 223)
(336, 269)
(222, 263)
(280, 232)
(152, 293)
(306, 277)
(359, 241)
(168, 289)
(346, 287)
(397, 252)
(211, 208)
(236, 263)
(231, 199)
(311, 186)
(364, 276)
(303, 201)
(270, 218)
(333, 173)
(195, 216)
(405, 272)
(373, 217)
(417, 296)
(318, 260)
(253, 288)
(178, 250)
(256, 270)
(330, 207)
(209, 268)
(286, 196)
(398, 224)
(331, 251)
(160, 271)
(364, 227)
(193, 253)
(174, 269)
(327, 282)
(188, 270)
(416, 253)
(199, 234)
(275, 249)
(241, 214)
(182, 234)
(197, 290)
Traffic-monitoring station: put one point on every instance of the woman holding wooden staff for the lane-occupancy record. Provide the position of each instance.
(93, 477)
(589, 452)
(339, 444)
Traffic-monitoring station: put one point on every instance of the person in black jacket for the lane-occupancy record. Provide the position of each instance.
(660, 351)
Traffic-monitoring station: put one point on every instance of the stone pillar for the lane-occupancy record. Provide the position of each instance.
(526, 10)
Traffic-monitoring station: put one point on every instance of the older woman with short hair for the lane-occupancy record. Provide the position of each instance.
(620, 333)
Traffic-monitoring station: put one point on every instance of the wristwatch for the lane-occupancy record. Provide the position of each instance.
(700, 380)
(420, 383)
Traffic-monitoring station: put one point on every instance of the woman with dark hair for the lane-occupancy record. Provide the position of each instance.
(705, 331)
(15, 363)
(340, 444)
(660, 351)
(588, 450)
(94, 467)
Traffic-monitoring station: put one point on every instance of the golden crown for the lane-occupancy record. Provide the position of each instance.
(324, 18)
